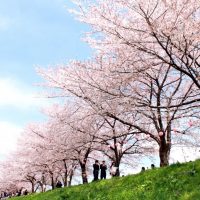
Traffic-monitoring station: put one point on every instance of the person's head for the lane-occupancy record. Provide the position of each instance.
(143, 168)
(96, 161)
(152, 166)
(103, 161)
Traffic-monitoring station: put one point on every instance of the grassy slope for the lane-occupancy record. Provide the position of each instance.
(174, 182)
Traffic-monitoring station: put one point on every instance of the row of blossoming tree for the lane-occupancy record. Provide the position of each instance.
(137, 96)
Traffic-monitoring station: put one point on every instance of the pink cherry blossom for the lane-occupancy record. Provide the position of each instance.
(160, 134)
(190, 123)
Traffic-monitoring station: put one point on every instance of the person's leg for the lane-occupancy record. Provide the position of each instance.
(102, 176)
(96, 173)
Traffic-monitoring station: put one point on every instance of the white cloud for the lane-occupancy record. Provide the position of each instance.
(16, 94)
(8, 137)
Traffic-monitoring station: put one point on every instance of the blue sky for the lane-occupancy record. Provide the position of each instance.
(32, 33)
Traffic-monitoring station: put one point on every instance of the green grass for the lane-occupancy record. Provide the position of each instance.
(179, 181)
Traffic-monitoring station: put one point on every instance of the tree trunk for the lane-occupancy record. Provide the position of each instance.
(41, 186)
(65, 179)
(84, 173)
(66, 174)
(70, 177)
(43, 183)
(164, 152)
(117, 157)
(52, 181)
(32, 187)
(117, 170)
(84, 177)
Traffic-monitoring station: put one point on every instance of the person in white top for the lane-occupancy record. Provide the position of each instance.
(113, 169)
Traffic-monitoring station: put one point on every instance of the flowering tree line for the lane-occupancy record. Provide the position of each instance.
(137, 96)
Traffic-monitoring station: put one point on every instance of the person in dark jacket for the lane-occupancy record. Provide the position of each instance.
(58, 184)
(25, 192)
(96, 170)
(143, 169)
(103, 168)
(152, 166)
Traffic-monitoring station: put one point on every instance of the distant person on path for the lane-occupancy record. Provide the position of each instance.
(96, 170)
(25, 192)
(113, 169)
(19, 192)
(103, 168)
(152, 166)
(143, 169)
(58, 184)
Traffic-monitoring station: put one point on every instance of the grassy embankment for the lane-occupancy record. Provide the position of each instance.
(179, 181)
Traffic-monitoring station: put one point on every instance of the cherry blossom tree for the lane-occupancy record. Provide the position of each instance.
(155, 32)
(137, 95)
(146, 103)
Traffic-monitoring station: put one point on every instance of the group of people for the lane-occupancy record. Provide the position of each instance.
(152, 167)
(103, 168)
(97, 167)
(5, 195)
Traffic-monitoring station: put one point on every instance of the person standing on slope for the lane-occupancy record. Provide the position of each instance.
(103, 168)
(96, 170)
